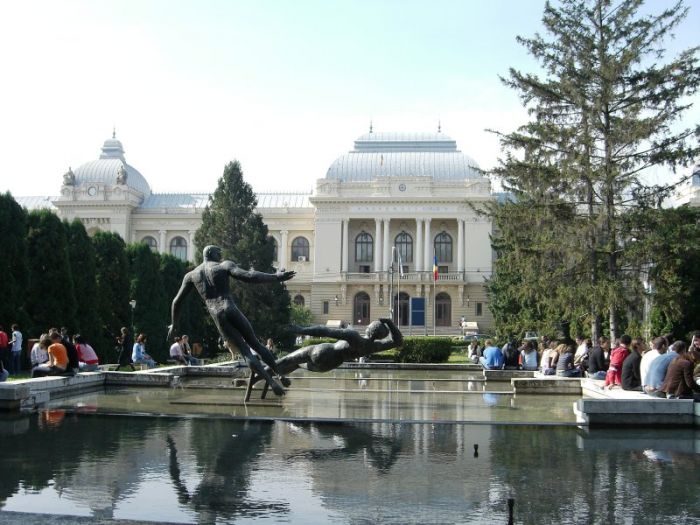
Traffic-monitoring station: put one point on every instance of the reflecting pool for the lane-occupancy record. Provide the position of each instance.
(218, 470)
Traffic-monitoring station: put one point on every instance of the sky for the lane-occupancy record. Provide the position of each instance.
(283, 86)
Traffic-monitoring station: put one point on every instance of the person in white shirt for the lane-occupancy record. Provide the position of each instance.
(176, 352)
(39, 354)
(658, 347)
(582, 346)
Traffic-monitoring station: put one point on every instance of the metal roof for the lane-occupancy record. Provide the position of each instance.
(377, 155)
(36, 202)
(283, 200)
(174, 200)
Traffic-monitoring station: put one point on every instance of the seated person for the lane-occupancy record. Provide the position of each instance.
(511, 356)
(58, 358)
(87, 358)
(658, 347)
(187, 351)
(176, 353)
(679, 382)
(658, 368)
(4, 374)
(39, 355)
(599, 359)
(139, 355)
(528, 355)
(548, 361)
(631, 374)
(565, 363)
(474, 351)
(492, 358)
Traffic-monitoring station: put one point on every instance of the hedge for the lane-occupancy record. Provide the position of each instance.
(425, 350)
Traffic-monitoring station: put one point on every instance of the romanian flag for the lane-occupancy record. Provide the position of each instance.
(435, 268)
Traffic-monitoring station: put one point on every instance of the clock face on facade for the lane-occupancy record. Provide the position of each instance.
(92, 191)
(402, 187)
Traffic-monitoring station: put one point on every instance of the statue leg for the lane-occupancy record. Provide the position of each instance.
(242, 325)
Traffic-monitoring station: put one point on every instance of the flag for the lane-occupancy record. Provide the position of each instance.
(400, 263)
(435, 268)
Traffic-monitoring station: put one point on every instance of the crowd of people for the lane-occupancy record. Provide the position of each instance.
(660, 368)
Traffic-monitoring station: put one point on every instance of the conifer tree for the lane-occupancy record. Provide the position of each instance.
(604, 111)
(81, 254)
(112, 270)
(231, 222)
(50, 298)
(151, 314)
(14, 274)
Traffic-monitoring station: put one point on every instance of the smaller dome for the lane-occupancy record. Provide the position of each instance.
(111, 169)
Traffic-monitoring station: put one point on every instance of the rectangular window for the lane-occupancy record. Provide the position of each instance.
(443, 269)
(364, 268)
(325, 307)
(478, 310)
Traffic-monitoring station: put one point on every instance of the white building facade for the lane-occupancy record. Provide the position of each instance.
(410, 194)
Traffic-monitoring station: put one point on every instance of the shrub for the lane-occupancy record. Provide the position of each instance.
(317, 340)
(425, 350)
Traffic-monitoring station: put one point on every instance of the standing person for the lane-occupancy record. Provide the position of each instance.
(58, 357)
(211, 279)
(658, 347)
(679, 382)
(39, 354)
(126, 344)
(599, 359)
(492, 358)
(631, 374)
(16, 350)
(614, 376)
(4, 349)
(87, 358)
(565, 363)
(139, 355)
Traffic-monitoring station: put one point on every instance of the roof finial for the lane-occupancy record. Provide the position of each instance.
(439, 126)
(370, 126)
(114, 132)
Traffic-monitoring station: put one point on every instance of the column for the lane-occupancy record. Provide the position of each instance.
(418, 256)
(387, 245)
(378, 246)
(190, 245)
(161, 241)
(345, 243)
(283, 247)
(428, 247)
(460, 245)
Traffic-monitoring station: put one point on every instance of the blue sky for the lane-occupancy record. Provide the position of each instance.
(283, 86)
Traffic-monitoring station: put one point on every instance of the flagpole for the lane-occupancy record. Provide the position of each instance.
(434, 287)
(398, 291)
(391, 284)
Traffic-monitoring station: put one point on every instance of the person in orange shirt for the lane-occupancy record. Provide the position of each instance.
(58, 359)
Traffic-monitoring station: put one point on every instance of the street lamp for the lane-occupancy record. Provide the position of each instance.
(132, 303)
(336, 300)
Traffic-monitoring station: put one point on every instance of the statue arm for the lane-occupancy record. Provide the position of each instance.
(177, 305)
(396, 336)
(256, 277)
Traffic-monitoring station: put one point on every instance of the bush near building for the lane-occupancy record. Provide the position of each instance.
(425, 350)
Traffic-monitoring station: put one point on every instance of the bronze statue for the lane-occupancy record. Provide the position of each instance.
(211, 280)
(379, 336)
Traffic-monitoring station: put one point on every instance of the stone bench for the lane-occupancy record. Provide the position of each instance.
(547, 385)
(507, 375)
(646, 411)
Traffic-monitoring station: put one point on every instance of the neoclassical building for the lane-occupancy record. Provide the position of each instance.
(411, 194)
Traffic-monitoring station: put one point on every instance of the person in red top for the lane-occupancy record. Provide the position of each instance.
(58, 359)
(617, 357)
(4, 350)
(88, 360)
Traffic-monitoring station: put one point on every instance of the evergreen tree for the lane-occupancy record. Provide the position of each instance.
(112, 271)
(231, 222)
(14, 273)
(151, 314)
(603, 114)
(81, 254)
(50, 298)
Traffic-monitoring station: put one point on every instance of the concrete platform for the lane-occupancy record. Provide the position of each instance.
(635, 412)
(507, 375)
(547, 385)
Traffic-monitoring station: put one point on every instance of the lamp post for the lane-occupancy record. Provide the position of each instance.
(132, 303)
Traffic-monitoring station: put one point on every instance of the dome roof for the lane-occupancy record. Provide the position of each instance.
(403, 155)
(110, 169)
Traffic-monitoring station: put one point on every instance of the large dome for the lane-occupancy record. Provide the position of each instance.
(377, 155)
(110, 167)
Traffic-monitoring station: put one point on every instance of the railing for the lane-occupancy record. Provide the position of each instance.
(408, 277)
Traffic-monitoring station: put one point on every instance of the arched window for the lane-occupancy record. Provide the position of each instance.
(361, 309)
(363, 248)
(178, 248)
(404, 246)
(443, 247)
(299, 300)
(401, 307)
(151, 243)
(300, 249)
(443, 309)
(273, 241)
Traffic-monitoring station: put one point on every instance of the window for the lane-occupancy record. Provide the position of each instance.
(443, 247)
(273, 241)
(404, 246)
(443, 310)
(478, 309)
(443, 269)
(364, 268)
(363, 248)
(151, 243)
(401, 308)
(178, 248)
(300, 249)
(325, 307)
(299, 300)
(361, 309)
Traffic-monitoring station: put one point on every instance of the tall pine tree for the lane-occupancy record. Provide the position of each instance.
(231, 222)
(604, 112)
(14, 274)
